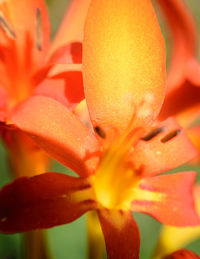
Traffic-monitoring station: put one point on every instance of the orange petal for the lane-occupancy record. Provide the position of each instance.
(70, 53)
(59, 132)
(183, 254)
(64, 84)
(3, 104)
(26, 18)
(184, 39)
(123, 62)
(181, 100)
(193, 72)
(55, 89)
(71, 29)
(194, 135)
(168, 198)
(72, 75)
(121, 234)
(43, 201)
(167, 150)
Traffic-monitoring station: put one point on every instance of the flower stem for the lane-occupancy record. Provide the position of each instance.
(36, 245)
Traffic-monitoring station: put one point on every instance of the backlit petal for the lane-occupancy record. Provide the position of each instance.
(59, 132)
(184, 39)
(123, 62)
(43, 201)
(168, 198)
(167, 150)
(121, 234)
(181, 236)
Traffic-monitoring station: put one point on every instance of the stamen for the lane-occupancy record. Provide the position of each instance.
(39, 38)
(153, 133)
(6, 27)
(100, 132)
(170, 135)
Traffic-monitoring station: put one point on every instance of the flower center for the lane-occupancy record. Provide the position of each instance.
(115, 176)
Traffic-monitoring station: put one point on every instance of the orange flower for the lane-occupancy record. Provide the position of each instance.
(27, 58)
(183, 83)
(183, 92)
(181, 236)
(30, 66)
(124, 83)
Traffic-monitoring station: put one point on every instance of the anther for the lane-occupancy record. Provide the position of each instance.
(38, 29)
(100, 132)
(6, 27)
(153, 133)
(171, 135)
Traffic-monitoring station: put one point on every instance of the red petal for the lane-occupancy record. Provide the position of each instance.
(180, 100)
(183, 254)
(71, 29)
(184, 38)
(160, 153)
(121, 234)
(168, 198)
(64, 84)
(41, 74)
(123, 62)
(59, 132)
(43, 201)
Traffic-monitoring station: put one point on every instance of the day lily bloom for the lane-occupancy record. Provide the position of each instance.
(183, 83)
(118, 166)
(30, 66)
(173, 238)
(183, 254)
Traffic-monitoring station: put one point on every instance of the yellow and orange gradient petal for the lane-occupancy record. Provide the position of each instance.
(120, 73)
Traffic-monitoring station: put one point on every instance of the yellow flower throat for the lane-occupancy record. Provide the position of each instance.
(115, 178)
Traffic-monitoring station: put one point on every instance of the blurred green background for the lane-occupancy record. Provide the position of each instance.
(69, 241)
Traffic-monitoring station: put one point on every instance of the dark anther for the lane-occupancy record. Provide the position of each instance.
(100, 132)
(6, 27)
(171, 135)
(38, 29)
(153, 133)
